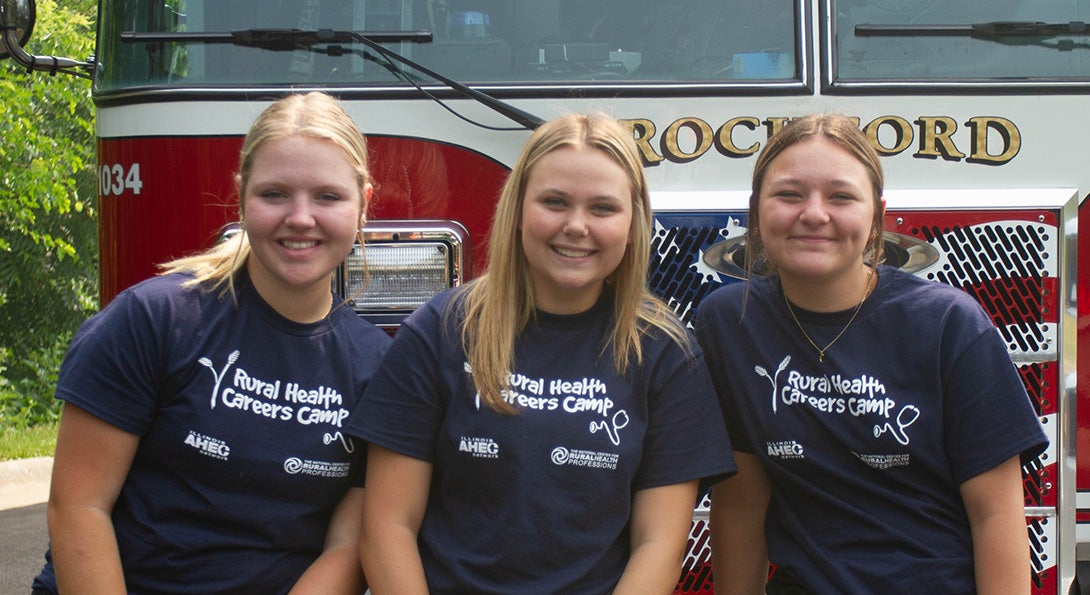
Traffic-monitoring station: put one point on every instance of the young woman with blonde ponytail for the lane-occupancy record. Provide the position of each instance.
(200, 449)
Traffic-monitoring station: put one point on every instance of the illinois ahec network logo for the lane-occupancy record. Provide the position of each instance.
(481, 448)
(785, 449)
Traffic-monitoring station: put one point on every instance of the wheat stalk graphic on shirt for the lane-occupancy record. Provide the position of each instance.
(204, 361)
(773, 379)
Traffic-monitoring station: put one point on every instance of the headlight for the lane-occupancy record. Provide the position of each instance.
(403, 265)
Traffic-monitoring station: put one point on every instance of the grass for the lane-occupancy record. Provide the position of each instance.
(24, 443)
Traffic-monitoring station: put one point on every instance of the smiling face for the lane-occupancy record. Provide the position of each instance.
(816, 209)
(576, 225)
(302, 207)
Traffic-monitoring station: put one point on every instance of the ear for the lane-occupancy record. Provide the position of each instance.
(238, 193)
(368, 191)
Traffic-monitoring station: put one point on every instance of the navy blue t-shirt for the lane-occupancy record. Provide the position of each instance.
(240, 412)
(866, 451)
(539, 502)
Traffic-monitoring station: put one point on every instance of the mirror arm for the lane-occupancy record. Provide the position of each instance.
(51, 64)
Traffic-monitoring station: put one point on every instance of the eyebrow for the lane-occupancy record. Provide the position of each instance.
(835, 182)
(553, 191)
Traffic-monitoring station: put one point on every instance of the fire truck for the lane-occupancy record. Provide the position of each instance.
(979, 110)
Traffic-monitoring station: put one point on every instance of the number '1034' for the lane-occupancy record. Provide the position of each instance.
(114, 179)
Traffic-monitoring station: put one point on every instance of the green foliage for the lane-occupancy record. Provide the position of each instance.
(48, 232)
(22, 443)
(27, 399)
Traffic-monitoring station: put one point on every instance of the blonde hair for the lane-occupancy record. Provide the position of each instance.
(498, 305)
(840, 129)
(312, 115)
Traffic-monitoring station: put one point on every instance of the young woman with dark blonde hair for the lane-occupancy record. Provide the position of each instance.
(543, 429)
(199, 449)
(877, 421)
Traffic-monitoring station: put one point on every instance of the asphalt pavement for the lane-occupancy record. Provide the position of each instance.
(24, 488)
(23, 540)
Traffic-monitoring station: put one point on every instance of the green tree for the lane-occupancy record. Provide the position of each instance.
(48, 232)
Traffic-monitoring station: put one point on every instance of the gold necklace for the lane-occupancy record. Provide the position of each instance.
(821, 350)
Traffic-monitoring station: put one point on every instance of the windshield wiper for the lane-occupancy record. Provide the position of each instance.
(293, 39)
(276, 39)
(994, 30)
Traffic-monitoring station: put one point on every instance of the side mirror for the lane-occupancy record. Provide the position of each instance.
(16, 25)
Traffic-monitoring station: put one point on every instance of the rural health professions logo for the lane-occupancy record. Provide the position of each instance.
(297, 466)
(585, 458)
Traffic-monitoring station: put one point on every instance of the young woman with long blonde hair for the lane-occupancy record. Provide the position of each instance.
(543, 429)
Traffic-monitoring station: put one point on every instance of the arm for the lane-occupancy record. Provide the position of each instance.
(91, 463)
(660, 523)
(338, 570)
(739, 546)
(394, 501)
(995, 505)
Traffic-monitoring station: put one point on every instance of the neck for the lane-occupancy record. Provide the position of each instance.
(303, 311)
(825, 296)
(302, 306)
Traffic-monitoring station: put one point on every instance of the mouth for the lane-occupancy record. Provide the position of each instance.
(298, 244)
(802, 238)
(572, 253)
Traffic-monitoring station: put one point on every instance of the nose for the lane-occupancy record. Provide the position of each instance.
(299, 213)
(576, 224)
(814, 210)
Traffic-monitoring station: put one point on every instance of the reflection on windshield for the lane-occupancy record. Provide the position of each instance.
(918, 55)
(548, 41)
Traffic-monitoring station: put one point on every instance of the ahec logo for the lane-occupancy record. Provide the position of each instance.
(208, 446)
(481, 448)
(785, 449)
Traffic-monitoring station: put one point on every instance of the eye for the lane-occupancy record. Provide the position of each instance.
(554, 202)
(787, 195)
(330, 197)
(604, 208)
(271, 194)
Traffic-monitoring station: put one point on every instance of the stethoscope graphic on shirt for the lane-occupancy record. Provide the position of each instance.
(349, 446)
(611, 427)
(907, 416)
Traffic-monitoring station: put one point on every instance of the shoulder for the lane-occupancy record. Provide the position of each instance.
(154, 301)
(434, 320)
(733, 293)
(160, 288)
(921, 298)
(914, 285)
(358, 330)
(438, 308)
(729, 302)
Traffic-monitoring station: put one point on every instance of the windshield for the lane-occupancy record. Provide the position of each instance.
(936, 40)
(558, 42)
